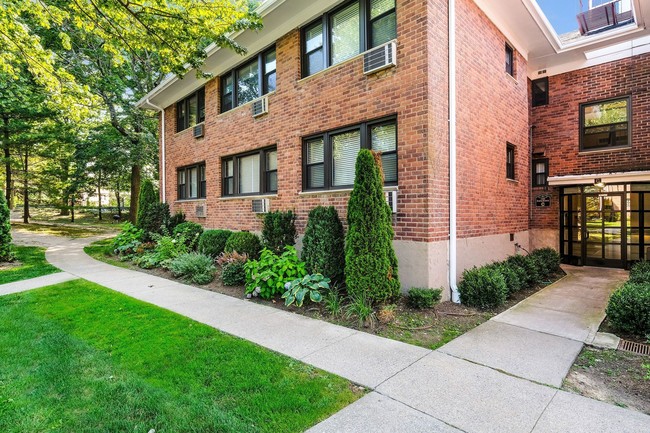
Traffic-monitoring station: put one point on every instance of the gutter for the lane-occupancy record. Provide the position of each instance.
(455, 295)
(163, 177)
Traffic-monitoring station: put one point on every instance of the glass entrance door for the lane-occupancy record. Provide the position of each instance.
(603, 229)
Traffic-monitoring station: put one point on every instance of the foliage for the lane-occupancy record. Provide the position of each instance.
(483, 287)
(175, 220)
(387, 314)
(147, 197)
(245, 243)
(193, 267)
(154, 220)
(640, 272)
(511, 274)
(32, 264)
(360, 306)
(6, 254)
(528, 269)
(421, 298)
(370, 261)
(324, 243)
(213, 242)
(167, 248)
(190, 231)
(268, 276)
(333, 302)
(233, 272)
(298, 289)
(629, 308)
(279, 230)
(127, 241)
(548, 261)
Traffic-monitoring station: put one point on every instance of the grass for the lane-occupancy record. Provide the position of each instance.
(32, 264)
(102, 250)
(78, 357)
(82, 217)
(70, 231)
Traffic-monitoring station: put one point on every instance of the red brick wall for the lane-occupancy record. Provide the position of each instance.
(556, 126)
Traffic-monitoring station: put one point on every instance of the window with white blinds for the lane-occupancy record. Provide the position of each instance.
(540, 172)
(191, 182)
(345, 33)
(251, 173)
(329, 159)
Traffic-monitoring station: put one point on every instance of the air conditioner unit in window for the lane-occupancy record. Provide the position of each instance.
(200, 211)
(260, 106)
(198, 130)
(382, 57)
(391, 198)
(261, 205)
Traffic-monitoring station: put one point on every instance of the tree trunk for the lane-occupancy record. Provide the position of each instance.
(135, 193)
(99, 194)
(26, 189)
(72, 210)
(117, 198)
(64, 209)
(8, 188)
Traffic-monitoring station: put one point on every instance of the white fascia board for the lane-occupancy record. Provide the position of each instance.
(588, 179)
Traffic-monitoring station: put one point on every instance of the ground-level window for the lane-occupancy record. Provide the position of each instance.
(605, 124)
(329, 159)
(191, 182)
(540, 172)
(190, 110)
(251, 173)
(253, 79)
(510, 161)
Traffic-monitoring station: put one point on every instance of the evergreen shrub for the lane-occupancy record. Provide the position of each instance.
(244, 243)
(279, 230)
(323, 246)
(213, 242)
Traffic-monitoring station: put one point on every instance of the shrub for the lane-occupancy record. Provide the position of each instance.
(529, 270)
(268, 276)
(483, 288)
(175, 220)
(167, 248)
(311, 285)
(233, 272)
(244, 243)
(323, 248)
(213, 242)
(154, 220)
(629, 308)
(127, 240)
(147, 197)
(361, 308)
(279, 230)
(640, 272)
(423, 298)
(6, 255)
(333, 302)
(548, 261)
(370, 261)
(194, 267)
(190, 231)
(511, 274)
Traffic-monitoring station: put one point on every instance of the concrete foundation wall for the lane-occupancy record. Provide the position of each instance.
(540, 238)
(481, 250)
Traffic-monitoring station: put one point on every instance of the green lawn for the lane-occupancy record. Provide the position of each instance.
(32, 264)
(102, 250)
(77, 357)
(64, 230)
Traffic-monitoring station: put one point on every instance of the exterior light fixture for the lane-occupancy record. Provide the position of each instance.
(598, 183)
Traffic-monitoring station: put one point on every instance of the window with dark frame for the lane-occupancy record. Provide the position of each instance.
(510, 60)
(606, 124)
(540, 92)
(191, 110)
(329, 159)
(250, 173)
(346, 31)
(540, 172)
(249, 81)
(191, 182)
(510, 161)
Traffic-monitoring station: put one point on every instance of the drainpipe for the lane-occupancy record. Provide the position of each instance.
(455, 296)
(163, 183)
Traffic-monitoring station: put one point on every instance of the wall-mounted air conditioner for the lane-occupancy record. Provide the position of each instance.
(261, 205)
(382, 57)
(391, 198)
(198, 130)
(260, 106)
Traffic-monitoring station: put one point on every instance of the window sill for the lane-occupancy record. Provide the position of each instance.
(247, 197)
(609, 149)
(190, 200)
(513, 181)
(232, 110)
(335, 191)
(513, 78)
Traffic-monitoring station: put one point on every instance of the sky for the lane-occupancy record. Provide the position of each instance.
(561, 14)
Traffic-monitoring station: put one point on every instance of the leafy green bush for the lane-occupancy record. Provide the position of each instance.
(311, 285)
(6, 254)
(279, 230)
(213, 242)
(154, 220)
(483, 287)
(147, 197)
(640, 272)
(268, 276)
(360, 306)
(529, 269)
(629, 308)
(333, 302)
(193, 267)
(511, 274)
(190, 231)
(323, 248)
(128, 239)
(244, 243)
(370, 261)
(233, 272)
(548, 261)
(423, 298)
(167, 248)
(175, 220)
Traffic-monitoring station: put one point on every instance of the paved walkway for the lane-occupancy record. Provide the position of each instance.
(501, 377)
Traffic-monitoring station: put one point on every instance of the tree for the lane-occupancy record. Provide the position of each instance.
(323, 248)
(370, 261)
(5, 231)
(147, 197)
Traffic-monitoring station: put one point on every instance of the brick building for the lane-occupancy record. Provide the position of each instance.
(447, 97)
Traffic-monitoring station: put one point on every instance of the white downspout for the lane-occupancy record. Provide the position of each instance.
(163, 182)
(455, 296)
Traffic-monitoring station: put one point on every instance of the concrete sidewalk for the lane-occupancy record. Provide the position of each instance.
(460, 387)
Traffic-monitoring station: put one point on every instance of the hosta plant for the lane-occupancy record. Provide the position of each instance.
(298, 289)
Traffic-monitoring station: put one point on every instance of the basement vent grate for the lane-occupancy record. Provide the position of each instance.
(638, 348)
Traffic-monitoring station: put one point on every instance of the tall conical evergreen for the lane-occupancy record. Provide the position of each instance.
(370, 261)
(147, 197)
(323, 249)
(5, 231)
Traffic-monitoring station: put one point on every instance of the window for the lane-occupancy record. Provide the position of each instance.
(190, 110)
(510, 161)
(329, 159)
(510, 60)
(605, 124)
(540, 92)
(540, 172)
(250, 81)
(347, 31)
(251, 173)
(191, 182)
